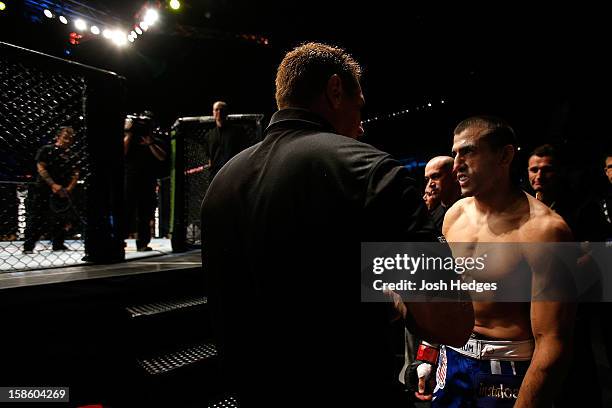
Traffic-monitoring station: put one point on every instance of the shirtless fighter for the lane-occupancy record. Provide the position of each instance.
(518, 352)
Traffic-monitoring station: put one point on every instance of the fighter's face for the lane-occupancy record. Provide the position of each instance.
(542, 174)
(348, 120)
(609, 168)
(64, 138)
(476, 164)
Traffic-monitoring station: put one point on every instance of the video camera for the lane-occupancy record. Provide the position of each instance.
(141, 124)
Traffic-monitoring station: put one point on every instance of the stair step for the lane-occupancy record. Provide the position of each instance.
(150, 309)
(229, 402)
(178, 359)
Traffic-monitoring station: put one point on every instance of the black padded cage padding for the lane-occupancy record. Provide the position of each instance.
(190, 175)
(40, 93)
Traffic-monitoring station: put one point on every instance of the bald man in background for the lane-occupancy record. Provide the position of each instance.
(224, 141)
(441, 182)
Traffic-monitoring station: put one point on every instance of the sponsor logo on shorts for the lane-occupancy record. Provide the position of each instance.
(498, 392)
(441, 371)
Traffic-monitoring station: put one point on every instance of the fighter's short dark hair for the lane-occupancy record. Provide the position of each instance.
(498, 132)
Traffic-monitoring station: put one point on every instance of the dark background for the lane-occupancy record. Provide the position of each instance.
(543, 69)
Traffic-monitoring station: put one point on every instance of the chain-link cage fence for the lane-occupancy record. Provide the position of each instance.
(191, 173)
(45, 168)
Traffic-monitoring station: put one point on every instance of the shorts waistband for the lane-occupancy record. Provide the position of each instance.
(484, 349)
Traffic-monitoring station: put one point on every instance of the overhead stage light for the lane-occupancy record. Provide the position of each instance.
(80, 24)
(151, 16)
(2, 6)
(107, 33)
(95, 30)
(138, 30)
(119, 38)
(48, 13)
(175, 4)
(63, 20)
(144, 25)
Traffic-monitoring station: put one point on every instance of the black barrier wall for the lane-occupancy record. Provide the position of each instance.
(38, 94)
(190, 175)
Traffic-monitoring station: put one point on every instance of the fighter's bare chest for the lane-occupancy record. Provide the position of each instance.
(498, 245)
(480, 229)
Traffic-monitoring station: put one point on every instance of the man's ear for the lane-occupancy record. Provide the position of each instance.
(507, 154)
(334, 91)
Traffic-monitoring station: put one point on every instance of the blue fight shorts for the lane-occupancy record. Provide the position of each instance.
(463, 381)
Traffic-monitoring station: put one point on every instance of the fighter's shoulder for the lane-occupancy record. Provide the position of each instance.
(459, 207)
(544, 225)
(456, 211)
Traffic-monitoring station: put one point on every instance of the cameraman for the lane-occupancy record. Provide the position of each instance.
(143, 154)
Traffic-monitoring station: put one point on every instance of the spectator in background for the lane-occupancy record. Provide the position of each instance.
(431, 198)
(443, 185)
(224, 141)
(143, 154)
(545, 175)
(547, 178)
(48, 203)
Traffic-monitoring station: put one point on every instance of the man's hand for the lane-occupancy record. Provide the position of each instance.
(156, 149)
(426, 382)
(147, 140)
(57, 189)
(422, 371)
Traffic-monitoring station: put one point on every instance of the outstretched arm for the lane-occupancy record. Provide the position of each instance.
(393, 199)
